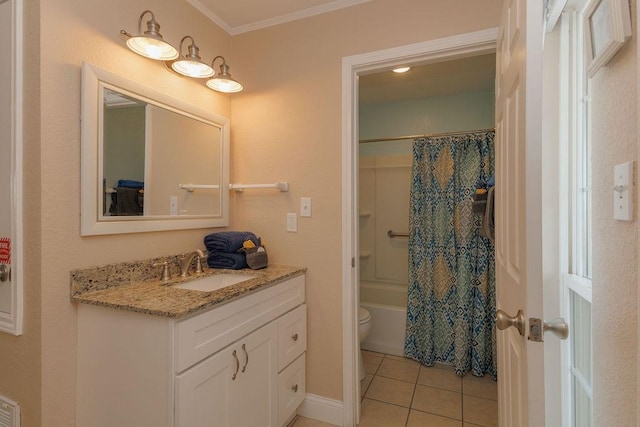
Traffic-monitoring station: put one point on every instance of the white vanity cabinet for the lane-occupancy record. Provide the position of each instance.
(240, 364)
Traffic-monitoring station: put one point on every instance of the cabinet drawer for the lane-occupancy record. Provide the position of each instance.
(292, 336)
(291, 389)
(204, 334)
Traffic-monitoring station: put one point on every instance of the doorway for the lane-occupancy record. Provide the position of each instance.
(456, 47)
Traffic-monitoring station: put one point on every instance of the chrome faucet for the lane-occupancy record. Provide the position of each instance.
(185, 262)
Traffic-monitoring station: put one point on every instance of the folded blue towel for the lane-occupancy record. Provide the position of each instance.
(229, 241)
(231, 261)
(129, 183)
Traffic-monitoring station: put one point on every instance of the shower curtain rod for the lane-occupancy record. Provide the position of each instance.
(400, 138)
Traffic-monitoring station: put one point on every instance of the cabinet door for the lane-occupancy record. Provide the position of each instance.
(203, 393)
(255, 390)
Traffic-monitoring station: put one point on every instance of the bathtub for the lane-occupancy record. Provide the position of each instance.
(387, 304)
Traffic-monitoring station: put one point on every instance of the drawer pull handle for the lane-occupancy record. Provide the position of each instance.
(235, 356)
(295, 388)
(294, 337)
(244, 348)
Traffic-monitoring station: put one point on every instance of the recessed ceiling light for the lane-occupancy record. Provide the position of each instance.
(401, 70)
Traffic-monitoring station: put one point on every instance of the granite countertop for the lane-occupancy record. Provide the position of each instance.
(111, 286)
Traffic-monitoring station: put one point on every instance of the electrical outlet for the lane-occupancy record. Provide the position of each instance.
(305, 206)
(292, 222)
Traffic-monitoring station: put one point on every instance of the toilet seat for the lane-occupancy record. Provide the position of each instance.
(363, 315)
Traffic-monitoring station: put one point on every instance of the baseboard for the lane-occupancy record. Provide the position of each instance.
(322, 409)
(382, 347)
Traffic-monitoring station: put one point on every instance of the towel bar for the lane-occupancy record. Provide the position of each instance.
(282, 186)
(393, 234)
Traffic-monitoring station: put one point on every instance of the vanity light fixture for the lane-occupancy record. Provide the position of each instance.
(223, 82)
(150, 43)
(191, 65)
(401, 70)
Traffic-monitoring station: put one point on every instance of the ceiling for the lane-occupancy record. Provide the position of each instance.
(241, 16)
(466, 75)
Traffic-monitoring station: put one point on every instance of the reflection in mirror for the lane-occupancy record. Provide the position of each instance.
(124, 143)
(184, 150)
(139, 147)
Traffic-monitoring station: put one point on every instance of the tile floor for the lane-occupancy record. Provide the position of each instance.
(400, 392)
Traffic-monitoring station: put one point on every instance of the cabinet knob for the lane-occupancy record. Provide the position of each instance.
(295, 388)
(294, 337)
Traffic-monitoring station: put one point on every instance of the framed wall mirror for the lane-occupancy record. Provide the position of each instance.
(150, 162)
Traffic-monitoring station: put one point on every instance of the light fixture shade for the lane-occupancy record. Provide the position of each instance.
(191, 65)
(223, 82)
(150, 44)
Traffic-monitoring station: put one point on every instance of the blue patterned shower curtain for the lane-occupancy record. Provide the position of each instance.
(451, 300)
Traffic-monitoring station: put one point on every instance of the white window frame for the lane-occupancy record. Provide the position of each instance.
(576, 248)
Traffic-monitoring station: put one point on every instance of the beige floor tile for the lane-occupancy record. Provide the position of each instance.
(438, 401)
(440, 378)
(401, 359)
(480, 386)
(422, 419)
(365, 383)
(390, 391)
(373, 353)
(470, 425)
(398, 370)
(483, 412)
(371, 361)
(308, 422)
(380, 414)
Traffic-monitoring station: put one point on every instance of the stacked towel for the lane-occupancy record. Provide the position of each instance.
(225, 249)
(229, 241)
(226, 260)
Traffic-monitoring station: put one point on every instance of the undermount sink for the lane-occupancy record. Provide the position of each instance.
(214, 282)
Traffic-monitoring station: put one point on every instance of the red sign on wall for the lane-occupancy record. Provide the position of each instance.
(5, 250)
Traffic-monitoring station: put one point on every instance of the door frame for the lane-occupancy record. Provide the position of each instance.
(13, 324)
(448, 48)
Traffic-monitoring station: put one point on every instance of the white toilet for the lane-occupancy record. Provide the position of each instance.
(364, 326)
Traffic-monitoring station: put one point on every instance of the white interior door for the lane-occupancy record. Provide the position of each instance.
(518, 212)
(10, 166)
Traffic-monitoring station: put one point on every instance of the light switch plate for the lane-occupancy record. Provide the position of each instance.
(292, 222)
(305, 206)
(173, 205)
(623, 182)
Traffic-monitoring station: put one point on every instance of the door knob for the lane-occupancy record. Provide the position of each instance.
(503, 321)
(557, 327)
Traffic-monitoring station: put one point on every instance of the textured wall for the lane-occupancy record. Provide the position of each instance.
(615, 243)
(20, 356)
(42, 374)
(287, 125)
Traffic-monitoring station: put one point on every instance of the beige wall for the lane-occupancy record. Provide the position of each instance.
(20, 356)
(615, 243)
(40, 368)
(286, 125)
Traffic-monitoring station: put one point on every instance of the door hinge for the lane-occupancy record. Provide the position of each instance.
(353, 262)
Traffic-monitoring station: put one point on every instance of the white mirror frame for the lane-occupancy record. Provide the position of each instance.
(12, 322)
(619, 21)
(92, 77)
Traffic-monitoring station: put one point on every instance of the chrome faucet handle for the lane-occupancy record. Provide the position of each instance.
(166, 275)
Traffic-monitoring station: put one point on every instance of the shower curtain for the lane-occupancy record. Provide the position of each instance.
(451, 298)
